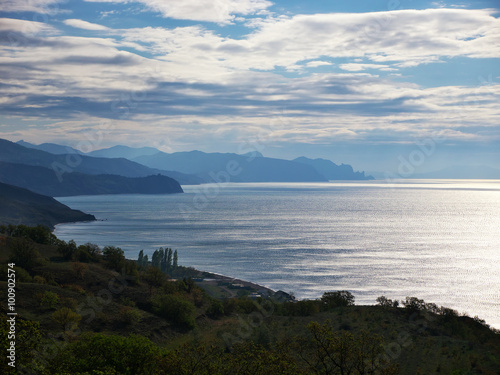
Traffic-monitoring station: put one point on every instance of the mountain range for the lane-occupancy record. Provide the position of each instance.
(196, 167)
(53, 170)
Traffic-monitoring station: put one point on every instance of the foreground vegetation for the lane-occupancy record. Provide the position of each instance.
(86, 310)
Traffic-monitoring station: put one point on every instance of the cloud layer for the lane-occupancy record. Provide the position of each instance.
(327, 77)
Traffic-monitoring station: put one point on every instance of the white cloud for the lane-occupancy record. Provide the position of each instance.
(355, 67)
(37, 6)
(315, 64)
(80, 24)
(25, 27)
(220, 11)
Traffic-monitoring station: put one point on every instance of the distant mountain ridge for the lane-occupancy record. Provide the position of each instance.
(333, 171)
(193, 167)
(51, 148)
(21, 206)
(234, 167)
(44, 181)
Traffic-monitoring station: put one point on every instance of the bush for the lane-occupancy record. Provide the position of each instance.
(215, 310)
(79, 269)
(176, 309)
(99, 353)
(39, 279)
(49, 300)
(66, 318)
(129, 315)
(337, 299)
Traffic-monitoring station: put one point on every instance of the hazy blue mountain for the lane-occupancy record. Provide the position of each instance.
(233, 167)
(333, 171)
(461, 172)
(50, 147)
(44, 181)
(21, 206)
(62, 164)
(123, 152)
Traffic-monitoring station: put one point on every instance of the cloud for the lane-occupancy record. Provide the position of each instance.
(81, 24)
(25, 27)
(355, 67)
(219, 11)
(37, 6)
(315, 64)
(158, 80)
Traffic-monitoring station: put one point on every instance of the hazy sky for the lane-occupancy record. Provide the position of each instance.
(368, 83)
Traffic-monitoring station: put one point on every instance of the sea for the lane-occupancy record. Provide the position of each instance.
(438, 240)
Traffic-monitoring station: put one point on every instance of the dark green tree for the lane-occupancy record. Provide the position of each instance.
(168, 255)
(140, 259)
(24, 254)
(114, 257)
(337, 299)
(175, 261)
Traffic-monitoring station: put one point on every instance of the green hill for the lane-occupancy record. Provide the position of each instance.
(21, 206)
(83, 310)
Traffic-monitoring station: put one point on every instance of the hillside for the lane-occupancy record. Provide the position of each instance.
(45, 181)
(89, 310)
(21, 206)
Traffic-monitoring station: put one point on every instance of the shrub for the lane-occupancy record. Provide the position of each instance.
(79, 269)
(66, 318)
(39, 279)
(49, 300)
(129, 315)
(176, 309)
(215, 310)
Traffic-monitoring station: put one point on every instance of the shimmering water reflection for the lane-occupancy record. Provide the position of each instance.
(438, 240)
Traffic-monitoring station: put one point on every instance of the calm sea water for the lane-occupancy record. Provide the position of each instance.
(435, 239)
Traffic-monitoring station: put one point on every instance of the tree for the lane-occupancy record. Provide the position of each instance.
(337, 299)
(341, 352)
(67, 249)
(114, 257)
(140, 259)
(154, 277)
(385, 302)
(156, 259)
(24, 254)
(175, 261)
(168, 260)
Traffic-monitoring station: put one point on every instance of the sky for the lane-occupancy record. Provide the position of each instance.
(371, 83)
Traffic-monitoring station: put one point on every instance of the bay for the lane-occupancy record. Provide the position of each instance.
(435, 239)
